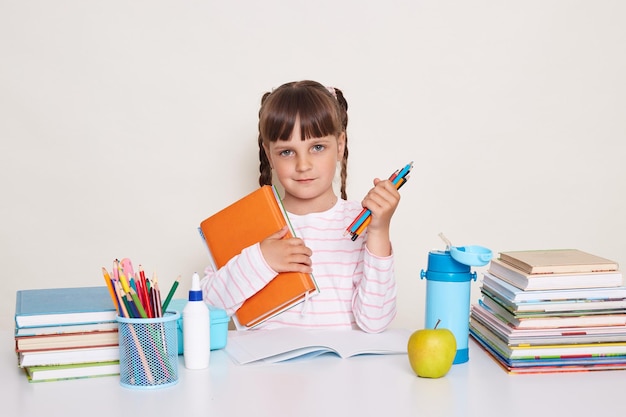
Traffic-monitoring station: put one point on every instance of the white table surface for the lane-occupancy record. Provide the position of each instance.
(327, 385)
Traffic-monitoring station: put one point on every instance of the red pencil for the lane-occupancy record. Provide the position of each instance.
(144, 291)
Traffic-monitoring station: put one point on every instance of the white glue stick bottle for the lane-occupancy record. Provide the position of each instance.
(196, 329)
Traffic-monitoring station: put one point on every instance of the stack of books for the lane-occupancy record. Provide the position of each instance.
(560, 310)
(66, 333)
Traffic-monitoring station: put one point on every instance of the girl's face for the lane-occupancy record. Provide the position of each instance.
(306, 170)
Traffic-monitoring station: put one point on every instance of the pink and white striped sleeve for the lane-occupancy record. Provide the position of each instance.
(374, 302)
(242, 277)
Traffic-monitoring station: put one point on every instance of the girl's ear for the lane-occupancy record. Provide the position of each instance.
(341, 145)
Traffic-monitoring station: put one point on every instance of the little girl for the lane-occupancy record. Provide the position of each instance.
(302, 138)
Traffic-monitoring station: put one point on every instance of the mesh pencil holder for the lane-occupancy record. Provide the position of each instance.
(148, 351)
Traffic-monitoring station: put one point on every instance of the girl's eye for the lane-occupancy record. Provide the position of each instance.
(286, 152)
(318, 148)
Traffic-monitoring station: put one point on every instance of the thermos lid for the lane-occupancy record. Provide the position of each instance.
(473, 255)
(442, 267)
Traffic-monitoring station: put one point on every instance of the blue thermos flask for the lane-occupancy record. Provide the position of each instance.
(448, 291)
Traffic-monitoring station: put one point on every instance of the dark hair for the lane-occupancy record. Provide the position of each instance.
(322, 111)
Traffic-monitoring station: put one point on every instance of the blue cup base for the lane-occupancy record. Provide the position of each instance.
(462, 356)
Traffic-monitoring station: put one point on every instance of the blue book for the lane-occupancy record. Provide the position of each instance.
(63, 306)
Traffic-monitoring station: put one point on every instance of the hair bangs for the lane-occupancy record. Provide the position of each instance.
(315, 110)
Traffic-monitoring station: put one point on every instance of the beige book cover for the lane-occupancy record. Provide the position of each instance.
(554, 261)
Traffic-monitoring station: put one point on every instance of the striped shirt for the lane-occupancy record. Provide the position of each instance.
(357, 288)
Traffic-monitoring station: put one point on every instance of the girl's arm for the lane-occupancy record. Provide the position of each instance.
(247, 273)
(374, 300)
(242, 277)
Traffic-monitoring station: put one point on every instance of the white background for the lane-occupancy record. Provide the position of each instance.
(123, 124)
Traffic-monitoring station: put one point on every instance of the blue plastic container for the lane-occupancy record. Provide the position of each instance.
(219, 324)
(448, 298)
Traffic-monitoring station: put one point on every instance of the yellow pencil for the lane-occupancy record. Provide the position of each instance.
(124, 281)
(107, 279)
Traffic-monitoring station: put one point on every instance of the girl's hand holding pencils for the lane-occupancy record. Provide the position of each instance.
(380, 199)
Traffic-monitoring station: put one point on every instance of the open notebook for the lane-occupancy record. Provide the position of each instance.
(271, 346)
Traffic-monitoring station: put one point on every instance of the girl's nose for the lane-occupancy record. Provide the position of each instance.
(303, 163)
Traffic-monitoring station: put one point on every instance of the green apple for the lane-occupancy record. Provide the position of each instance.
(431, 352)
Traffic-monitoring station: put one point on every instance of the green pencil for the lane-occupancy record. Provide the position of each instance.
(170, 295)
(142, 311)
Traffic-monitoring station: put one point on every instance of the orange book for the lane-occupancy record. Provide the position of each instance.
(242, 224)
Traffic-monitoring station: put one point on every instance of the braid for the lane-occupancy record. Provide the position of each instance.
(344, 170)
(265, 170)
(343, 104)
